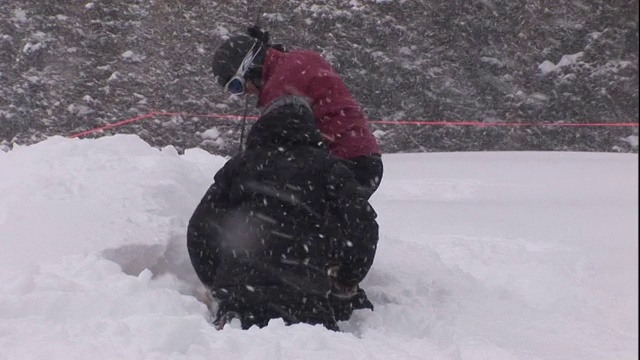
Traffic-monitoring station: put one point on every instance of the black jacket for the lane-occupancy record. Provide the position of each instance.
(281, 212)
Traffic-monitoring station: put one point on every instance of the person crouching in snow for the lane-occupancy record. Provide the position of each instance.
(249, 64)
(284, 231)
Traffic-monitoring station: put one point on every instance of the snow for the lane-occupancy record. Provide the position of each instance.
(30, 48)
(492, 61)
(566, 60)
(631, 140)
(128, 54)
(114, 76)
(612, 66)
(131, 56)
(79, 109)
(211, 134)
(19, 15)
(492, 255)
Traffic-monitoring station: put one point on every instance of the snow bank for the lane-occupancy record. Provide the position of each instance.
(482, 256)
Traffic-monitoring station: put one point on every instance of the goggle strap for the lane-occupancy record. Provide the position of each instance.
(248, 59)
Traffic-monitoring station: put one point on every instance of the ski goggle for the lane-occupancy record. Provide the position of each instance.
(235, 86)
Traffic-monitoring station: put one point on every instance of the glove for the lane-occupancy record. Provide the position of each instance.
(259, 34)
(262, 35)
(339, 289)
(343, 308)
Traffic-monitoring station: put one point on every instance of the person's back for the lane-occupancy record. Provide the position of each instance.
(339, 117)
(250, 64)
(278, 217)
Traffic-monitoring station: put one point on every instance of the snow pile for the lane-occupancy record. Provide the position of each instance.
(482, 256)
(566, 60)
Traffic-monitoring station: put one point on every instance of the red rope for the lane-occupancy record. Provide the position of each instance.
(482, 123)
(116, 124)
(388, 122)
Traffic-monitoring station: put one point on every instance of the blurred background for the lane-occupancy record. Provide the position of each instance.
(71, 66)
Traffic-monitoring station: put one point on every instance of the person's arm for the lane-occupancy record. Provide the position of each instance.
(290, 77)
(338, 115)
(356, 220)
(308, 75)
(202, 233)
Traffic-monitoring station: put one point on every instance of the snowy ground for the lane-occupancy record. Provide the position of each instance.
(482, 256)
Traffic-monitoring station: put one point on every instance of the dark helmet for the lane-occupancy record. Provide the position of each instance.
(229, 56)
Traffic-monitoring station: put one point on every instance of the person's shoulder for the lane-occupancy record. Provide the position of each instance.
(315, 156)
(304, 52)
(304, 56)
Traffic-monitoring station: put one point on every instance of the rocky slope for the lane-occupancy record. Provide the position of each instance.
(74, 65)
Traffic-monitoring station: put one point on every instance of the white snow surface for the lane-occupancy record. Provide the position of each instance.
(566, 60)
(494, 255)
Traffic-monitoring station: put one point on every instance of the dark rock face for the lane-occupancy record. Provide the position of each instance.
(75, 65)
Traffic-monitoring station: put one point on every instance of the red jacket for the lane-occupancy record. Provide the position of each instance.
(338, 116)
